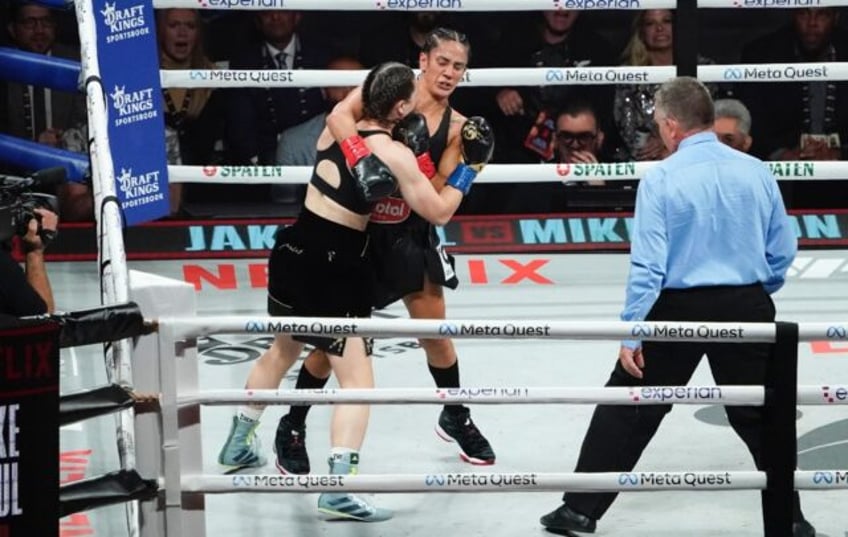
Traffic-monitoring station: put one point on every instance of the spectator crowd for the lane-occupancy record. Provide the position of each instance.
(566, 124)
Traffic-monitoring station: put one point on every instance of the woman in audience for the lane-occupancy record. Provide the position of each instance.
(193, 122)
(651, 44)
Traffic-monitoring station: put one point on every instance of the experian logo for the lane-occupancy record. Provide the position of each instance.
(245, 4)
(832, 394)
(777, 3)
(424, 5)
(597, 4)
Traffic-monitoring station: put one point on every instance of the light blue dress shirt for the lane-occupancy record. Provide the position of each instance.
(706, 215)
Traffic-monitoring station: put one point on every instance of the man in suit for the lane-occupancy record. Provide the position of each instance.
(793, 118)
(35, 113)
(257, 116)
(43, 115)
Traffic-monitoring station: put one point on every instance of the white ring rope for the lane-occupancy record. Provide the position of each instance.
(479, 482)
(774, 72)
(756, 4)
(512, 76)
(642, 395)
(639, 395)
(509, 482)
(192, 327)
(303, 78)
(417, 5)
(793, 170)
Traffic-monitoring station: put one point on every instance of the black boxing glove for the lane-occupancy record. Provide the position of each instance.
(354, 149)
(477, 142)
(412, 131)
(374, 180)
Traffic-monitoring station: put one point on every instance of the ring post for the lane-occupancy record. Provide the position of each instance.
(780, 440)
(169, 443)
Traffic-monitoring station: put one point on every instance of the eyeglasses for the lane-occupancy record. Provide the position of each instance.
(29, 23)
(581, 138)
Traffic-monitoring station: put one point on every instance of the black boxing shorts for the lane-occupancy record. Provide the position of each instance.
(405, 253)
(320, 269)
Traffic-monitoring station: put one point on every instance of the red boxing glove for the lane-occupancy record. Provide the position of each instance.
(354, 149)
(426, 164)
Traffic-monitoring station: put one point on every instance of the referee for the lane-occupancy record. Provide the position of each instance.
(711, 241)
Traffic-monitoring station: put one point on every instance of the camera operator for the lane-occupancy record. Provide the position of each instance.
(27, 291)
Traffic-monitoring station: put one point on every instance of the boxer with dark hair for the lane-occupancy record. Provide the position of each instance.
(321, 267)
(409, 261)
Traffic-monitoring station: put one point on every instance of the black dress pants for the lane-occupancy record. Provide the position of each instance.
(618, 434)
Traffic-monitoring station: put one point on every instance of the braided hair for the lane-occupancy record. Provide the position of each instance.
(385, 85)
(435, 38)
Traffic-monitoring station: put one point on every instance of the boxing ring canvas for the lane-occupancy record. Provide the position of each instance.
(526, 438)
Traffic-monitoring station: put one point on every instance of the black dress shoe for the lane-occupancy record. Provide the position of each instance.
(803, 529)
(563, 521)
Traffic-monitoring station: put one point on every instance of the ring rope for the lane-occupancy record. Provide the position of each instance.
(479, 482)
(192, 327)
(794, 170)
(756, 4)
(414, 5)
(513, 76)
(774, 72)
(479, 5)
(509, 482)
(487, 77)
(738, 395)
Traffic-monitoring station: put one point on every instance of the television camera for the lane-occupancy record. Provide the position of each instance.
(18, 201)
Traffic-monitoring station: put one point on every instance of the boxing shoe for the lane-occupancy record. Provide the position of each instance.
(242, 448)
(338, 505)
(290, 447)
(563, 520)
(803, 528)
(457, 427)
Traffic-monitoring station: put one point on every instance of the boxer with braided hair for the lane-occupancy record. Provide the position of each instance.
(321, 267)
(410, 263)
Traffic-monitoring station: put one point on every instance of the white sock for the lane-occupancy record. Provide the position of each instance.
(249, 413)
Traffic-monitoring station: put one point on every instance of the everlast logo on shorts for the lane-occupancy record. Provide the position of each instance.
(390, 211)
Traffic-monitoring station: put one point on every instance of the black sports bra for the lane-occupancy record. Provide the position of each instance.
(346, 194)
